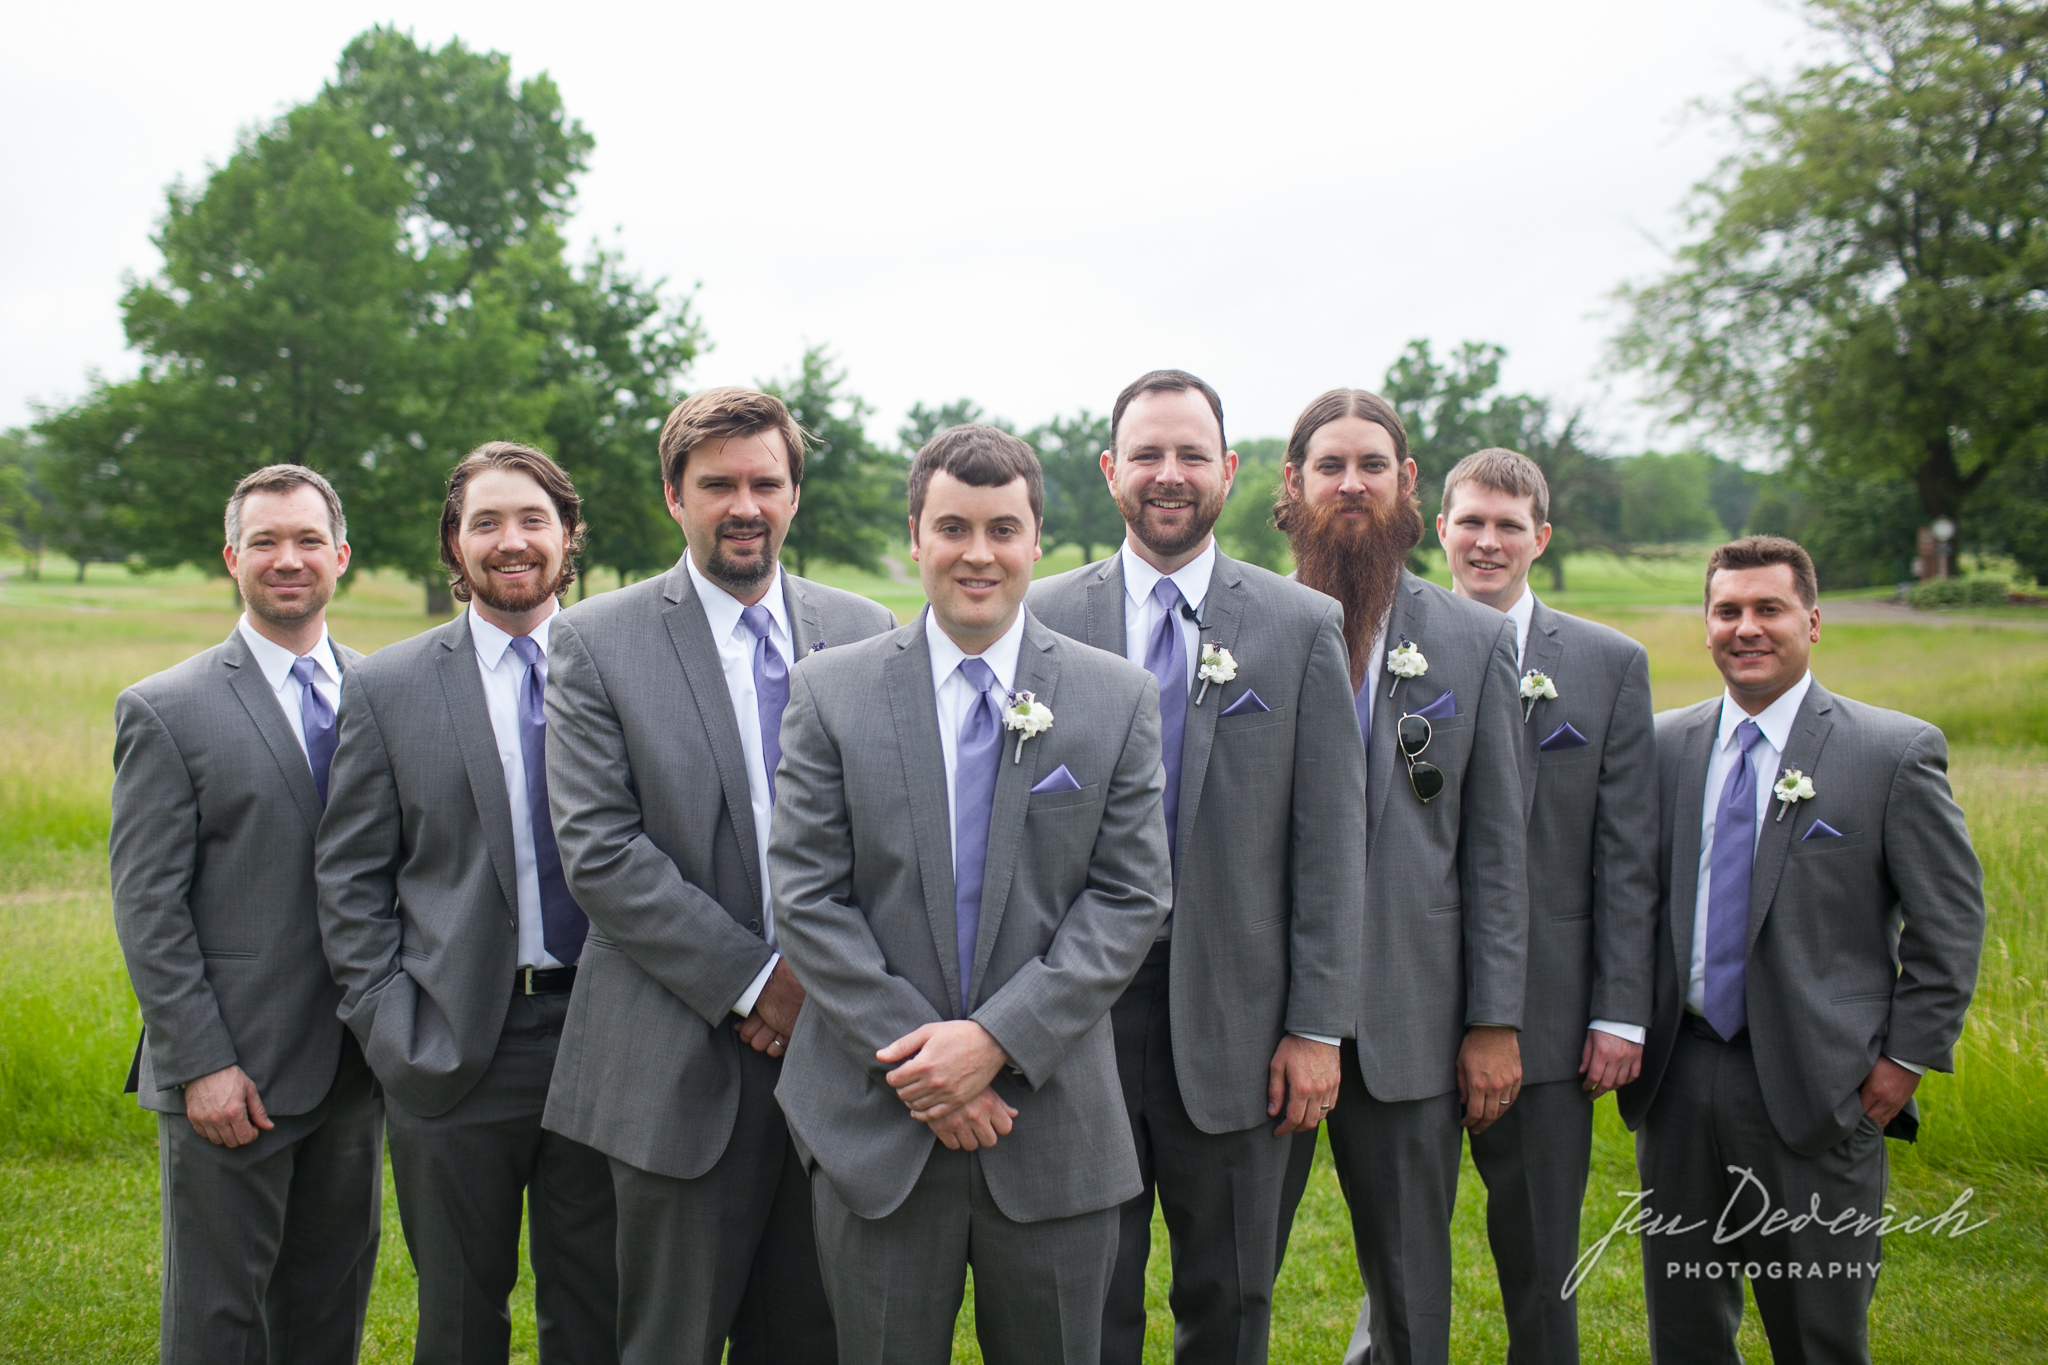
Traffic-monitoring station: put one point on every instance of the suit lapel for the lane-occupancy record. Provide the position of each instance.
(1106, 606)
(907, 679)
(805, 627)
(1542, 654)
(1689, 808)
(697, 652)
(253, 690)
(469, 718)
(1802, 751)
(1222, 612)
(1382, 753)
(1038, 672)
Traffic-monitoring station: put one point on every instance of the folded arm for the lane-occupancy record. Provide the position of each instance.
(1940, 886)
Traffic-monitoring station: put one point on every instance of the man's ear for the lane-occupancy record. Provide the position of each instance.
(1108, 463)
(913, 535)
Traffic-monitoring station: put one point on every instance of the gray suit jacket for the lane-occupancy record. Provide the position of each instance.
(1447, 884)
(649, 788)
(1861, 944)
(212, 854)
(418, 889)
(1268, 908)
(1592, 840)
(1073, 895)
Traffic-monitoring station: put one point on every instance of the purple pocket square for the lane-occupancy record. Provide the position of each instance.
(1443, 708)
(1565, 736)
(1058, 780)
(1820, 829)
(1246, 705)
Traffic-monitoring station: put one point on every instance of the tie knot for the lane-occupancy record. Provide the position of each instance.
(756, 619)
(526, 649)
(979, 675)
(1747, 734)
(1166, 593)
(303, 668)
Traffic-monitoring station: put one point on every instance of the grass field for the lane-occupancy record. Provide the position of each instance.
(79, 1254)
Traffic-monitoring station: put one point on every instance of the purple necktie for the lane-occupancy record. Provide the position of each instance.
(1166, 661)
(1728, 890)
(316, 722)
(562, 925)
(771, 689)
(976, 761)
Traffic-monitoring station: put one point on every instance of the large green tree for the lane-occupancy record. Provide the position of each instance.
(1865, 288)
(848, 506)
(1079, 510)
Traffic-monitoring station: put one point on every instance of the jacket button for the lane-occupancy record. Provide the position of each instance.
(755, 925)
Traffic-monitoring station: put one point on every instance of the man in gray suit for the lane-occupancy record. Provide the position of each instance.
(1823, 916)
(1236, 1017)
(1589, 785)
(969, 864)
(270, 1136)
(1445, 969)
(664, 713)
(447, 920)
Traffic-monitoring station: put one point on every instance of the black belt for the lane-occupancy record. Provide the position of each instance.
(1701, 1028)
(543, 980)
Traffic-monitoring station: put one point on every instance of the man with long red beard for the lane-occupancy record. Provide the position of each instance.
(1439, 999)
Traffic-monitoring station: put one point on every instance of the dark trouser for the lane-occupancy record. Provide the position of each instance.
(729, 1254)
(1398, 1164)
(269, 1248)
(462, 1177)
(1812, 1286)
(896, 1282)
(1533, 1160)
(1220, 1193)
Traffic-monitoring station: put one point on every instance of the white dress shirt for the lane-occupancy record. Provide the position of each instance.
(1141, 608)
(276, 662)
(954, 696)
(504, 679)
(736, 646)
(1523, 612)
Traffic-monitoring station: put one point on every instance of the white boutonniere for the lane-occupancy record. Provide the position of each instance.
(1216, 666)
(1028, 716)
(1793, 785)
(1536, 687)
(1405, 661)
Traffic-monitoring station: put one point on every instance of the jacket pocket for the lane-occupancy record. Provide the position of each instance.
(1052, 801)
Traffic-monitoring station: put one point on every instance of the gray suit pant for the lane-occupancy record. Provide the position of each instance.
(1534, 1160)
(1812, 1286)
(269, 1248)
(897, 1282)
(729, 1254)
(1398, 1165)
(1220, 1193)
(462, 1177)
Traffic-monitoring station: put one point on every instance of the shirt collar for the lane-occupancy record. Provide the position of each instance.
(1192, 578)
(276, 661)
(722, 610)
(1775, 720)
(491, 641)
(1522, 613)
(1001, 657)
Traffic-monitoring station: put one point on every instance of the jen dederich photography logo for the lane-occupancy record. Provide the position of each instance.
(1751, 1210)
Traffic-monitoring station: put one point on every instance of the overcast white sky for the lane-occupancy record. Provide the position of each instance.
(1026, 205)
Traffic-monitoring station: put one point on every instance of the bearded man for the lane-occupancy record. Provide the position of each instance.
(1227, 1040)
(1438, 1001)
(447, 922)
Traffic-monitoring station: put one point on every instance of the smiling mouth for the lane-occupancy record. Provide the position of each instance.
(977, 584)
(1484, 565)
(1170, 504)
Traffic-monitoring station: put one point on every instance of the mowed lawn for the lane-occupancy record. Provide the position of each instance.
(79, 1257)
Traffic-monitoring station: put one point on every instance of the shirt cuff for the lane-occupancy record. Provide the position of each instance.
(744, 1006)
(1628, 1033)
(1319, 1038)
(1916, 1070)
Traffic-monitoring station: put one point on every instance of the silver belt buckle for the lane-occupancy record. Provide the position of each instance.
(527, 973)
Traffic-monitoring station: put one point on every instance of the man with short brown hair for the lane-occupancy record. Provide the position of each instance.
(447, 919)
(665, 705)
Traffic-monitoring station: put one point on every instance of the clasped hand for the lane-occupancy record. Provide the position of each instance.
(943, 1074)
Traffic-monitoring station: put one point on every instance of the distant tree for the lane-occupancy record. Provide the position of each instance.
(1865, 292)
(1860, 531)
(25, 501)
(1079, 509)
(2015, 519)
(845, 513)
(1733, 491)
(1246, 528)
(1666, 499)
(921, 423)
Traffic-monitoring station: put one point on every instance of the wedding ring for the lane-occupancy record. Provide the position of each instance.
(1326, 1106)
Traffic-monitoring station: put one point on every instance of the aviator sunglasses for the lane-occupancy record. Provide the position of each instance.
(1427, 779)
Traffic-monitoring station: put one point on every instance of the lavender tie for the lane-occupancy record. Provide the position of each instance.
(562, 925)
(1166, 661)
(771, 689)
(977, 760)
(316, 722)
(1728, 890)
